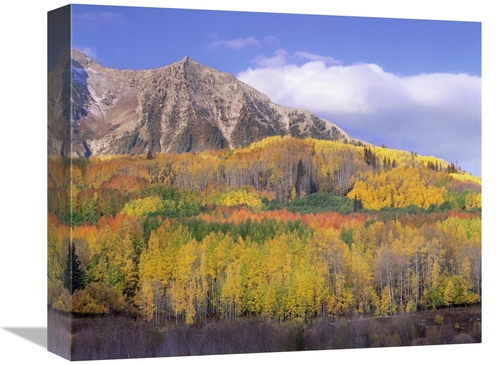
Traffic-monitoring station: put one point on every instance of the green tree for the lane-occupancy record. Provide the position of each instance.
(301, 171)
(347, 235)
(358, 204)
(74, 277)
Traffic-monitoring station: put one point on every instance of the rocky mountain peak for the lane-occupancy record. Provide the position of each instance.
(77, 55)
(82, 58)
(182, 107)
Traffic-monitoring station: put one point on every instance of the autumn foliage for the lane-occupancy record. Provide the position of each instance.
(284, 229)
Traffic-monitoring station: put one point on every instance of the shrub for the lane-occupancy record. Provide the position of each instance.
(438, 319)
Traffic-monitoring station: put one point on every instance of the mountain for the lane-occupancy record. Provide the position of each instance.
(181, 107)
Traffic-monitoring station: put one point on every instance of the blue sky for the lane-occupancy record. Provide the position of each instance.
(410, 84)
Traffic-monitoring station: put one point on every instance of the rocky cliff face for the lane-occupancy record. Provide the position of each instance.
(181, 107)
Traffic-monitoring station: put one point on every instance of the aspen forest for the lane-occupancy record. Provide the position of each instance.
(290, 232)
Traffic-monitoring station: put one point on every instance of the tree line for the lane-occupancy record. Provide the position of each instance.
(285, 267)
(283, 229)
(276, 169)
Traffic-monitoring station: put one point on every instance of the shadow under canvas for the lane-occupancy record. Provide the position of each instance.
(37, 335)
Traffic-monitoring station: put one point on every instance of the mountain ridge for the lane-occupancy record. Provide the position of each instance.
(181, 107)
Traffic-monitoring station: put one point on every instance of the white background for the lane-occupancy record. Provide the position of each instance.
(23, 178)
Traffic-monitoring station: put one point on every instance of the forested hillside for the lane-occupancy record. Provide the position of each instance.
(285, 229)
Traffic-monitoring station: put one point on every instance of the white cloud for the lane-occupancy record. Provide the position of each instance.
(272, 40)
(314, 57)
(282, 58)
(432, 114)
(237, 43)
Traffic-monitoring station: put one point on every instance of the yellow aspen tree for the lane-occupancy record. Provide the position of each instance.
(208, 269)
(362, 282)
(401, 271)
(418, 249)
(385, 263)
(152, 282)
(231, 290)
(434, 263)
(186, 282)
(341, 300)
(256, 277)
(146, 300)
(277, 272)
(385, 306)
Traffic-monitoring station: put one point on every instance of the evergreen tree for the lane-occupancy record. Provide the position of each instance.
(358, 204)
(370, 158)
(73, 274)
(301, 171)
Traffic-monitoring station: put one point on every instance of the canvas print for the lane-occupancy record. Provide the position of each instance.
(225, 182)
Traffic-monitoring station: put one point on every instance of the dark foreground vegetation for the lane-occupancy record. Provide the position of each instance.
(113, 337)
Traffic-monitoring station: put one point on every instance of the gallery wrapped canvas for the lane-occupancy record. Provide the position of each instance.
(234, 182)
